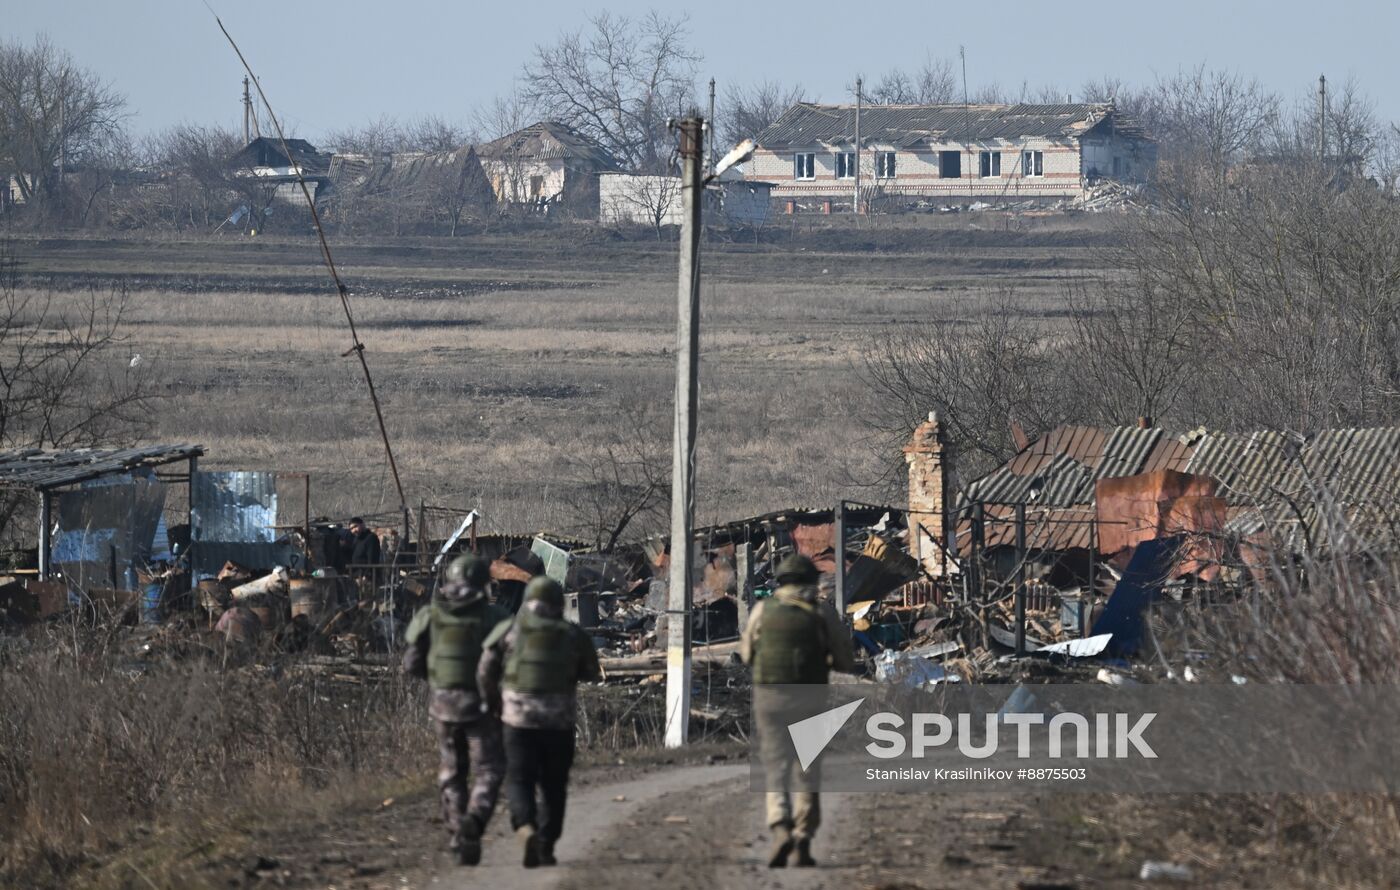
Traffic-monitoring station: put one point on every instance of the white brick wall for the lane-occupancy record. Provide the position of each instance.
(512, 180)
(917, 172)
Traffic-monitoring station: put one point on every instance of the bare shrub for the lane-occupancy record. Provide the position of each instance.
(623, 480)
(94, 742)
(980, 367)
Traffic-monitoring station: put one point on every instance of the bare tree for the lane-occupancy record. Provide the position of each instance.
(385, 135)
(934, 83)
(749, 110)
(1211, 116)
(981, 365)
(198, 189)
(618, 80)
(1131, 343)
(65, 379)
(506, 169)
(52, 113)
(435, 134)
(623, 482)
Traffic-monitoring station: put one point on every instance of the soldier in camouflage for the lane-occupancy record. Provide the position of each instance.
(791, 639)
(445, 641)
(529, 673)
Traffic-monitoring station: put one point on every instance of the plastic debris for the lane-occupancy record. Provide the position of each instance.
(1169, 871)
(907, 669)
(1083, 648)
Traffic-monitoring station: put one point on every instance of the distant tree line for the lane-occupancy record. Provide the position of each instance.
(68, 158)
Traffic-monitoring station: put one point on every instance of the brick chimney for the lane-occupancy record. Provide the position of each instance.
(930, 464)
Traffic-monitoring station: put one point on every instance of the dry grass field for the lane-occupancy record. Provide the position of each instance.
(504, 359)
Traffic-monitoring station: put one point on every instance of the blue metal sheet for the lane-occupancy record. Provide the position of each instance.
(106, 531)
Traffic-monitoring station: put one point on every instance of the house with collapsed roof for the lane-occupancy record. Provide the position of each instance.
(547, 164)
(1079, 496)
(950, 152)
(407, 189)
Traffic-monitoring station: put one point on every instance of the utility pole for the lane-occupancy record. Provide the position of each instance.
(710, 133)
(855, 203)
(247, 112)
(1322, 118)
(678, 592)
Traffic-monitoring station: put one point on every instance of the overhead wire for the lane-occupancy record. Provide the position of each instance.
(357, 347)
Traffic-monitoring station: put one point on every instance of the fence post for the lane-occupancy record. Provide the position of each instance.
(840, 553)
(978, 544)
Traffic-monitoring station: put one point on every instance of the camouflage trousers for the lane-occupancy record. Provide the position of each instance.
(462, 746)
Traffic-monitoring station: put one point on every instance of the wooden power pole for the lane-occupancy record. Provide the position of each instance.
(678, 592)
(710, 133)
(855, 204)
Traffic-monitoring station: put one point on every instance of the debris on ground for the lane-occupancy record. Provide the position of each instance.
(1153, 870)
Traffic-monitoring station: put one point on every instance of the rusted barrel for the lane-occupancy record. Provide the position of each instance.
(311, 596)
(270, 609)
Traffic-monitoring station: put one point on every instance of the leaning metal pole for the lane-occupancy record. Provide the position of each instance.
(678, 592)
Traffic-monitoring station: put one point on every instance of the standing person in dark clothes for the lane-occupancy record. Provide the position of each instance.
(445, 640)
(363, 545)
(529, 672)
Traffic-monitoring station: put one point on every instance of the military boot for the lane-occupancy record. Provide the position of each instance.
(782, 847)
(547, 853)
(804, 853)
(468, 842)
(530, 844)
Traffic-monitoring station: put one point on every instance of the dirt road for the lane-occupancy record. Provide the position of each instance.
(683, 824)
(696, 826)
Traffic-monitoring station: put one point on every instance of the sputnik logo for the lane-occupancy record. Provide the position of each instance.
(811, 735)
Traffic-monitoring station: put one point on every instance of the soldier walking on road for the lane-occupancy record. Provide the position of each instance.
(445, 641)
(791, 639)
(529, 674)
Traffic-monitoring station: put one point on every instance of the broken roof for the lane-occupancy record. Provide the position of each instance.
(39, 470)
(1266, 477)
(406, 171)
(550, 140)
(265, 151)
(908, 126)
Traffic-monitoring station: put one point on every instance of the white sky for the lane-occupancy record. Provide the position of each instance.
(332, 63)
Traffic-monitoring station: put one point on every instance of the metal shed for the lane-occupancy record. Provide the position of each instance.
(49, 473)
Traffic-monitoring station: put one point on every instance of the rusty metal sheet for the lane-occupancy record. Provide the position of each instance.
(1163, 504)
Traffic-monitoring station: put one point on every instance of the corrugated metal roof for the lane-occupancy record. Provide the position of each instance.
(37, 469)
(1294, 484)
(905, 126)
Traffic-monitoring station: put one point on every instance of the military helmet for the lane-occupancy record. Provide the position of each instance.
(472, 571)
(545, 589)
(797, 569)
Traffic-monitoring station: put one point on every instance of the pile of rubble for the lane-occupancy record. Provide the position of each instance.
(1108, 194)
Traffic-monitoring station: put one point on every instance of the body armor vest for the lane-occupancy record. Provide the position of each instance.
(544, 658)
(791, 645)
(456, 645)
